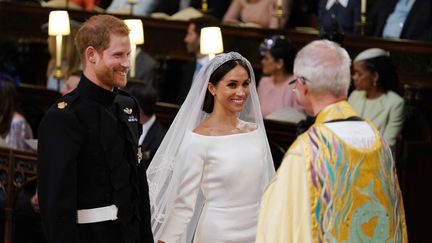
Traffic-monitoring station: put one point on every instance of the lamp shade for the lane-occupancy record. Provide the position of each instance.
(211, 41)
(58, 23)
(136, 34)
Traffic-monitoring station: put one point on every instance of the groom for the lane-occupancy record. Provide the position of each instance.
(91, 183)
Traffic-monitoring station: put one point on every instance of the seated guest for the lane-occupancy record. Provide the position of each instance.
(14, 128)
(376, 96)
(274, 91)
(153, 131)
(141, 8)
(259, 12)
(405, 19)
(346, 13)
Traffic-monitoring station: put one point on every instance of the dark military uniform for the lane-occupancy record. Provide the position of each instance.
(87, 158)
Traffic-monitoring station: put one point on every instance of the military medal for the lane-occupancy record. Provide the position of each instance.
(61, 105)
(127, 110)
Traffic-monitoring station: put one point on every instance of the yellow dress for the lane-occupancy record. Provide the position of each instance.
(329, 191)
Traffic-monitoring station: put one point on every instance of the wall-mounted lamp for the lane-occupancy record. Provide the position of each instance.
(211, 42)
(136, 36)
(58, 26)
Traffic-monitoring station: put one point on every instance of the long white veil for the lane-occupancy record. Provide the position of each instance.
(161, 174)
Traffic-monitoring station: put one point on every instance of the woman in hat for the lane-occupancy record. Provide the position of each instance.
(376, 93)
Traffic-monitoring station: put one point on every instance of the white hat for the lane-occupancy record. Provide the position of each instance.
(371, 53)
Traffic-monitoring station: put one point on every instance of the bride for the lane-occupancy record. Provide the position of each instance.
(207, 177)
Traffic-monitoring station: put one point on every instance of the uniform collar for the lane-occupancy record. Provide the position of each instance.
(90, 90)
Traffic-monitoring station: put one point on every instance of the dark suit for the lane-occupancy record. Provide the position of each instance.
(346, 17)
(87, 158)
(418, 25)
(152, 140)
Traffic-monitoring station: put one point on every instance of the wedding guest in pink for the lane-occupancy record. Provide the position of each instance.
(259, 12)
(274, 89)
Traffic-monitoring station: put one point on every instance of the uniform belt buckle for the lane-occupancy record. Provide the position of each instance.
(94, 215)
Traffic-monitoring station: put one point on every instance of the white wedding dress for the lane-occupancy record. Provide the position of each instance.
(230, 172)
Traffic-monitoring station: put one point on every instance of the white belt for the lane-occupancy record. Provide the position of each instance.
(94, 215)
